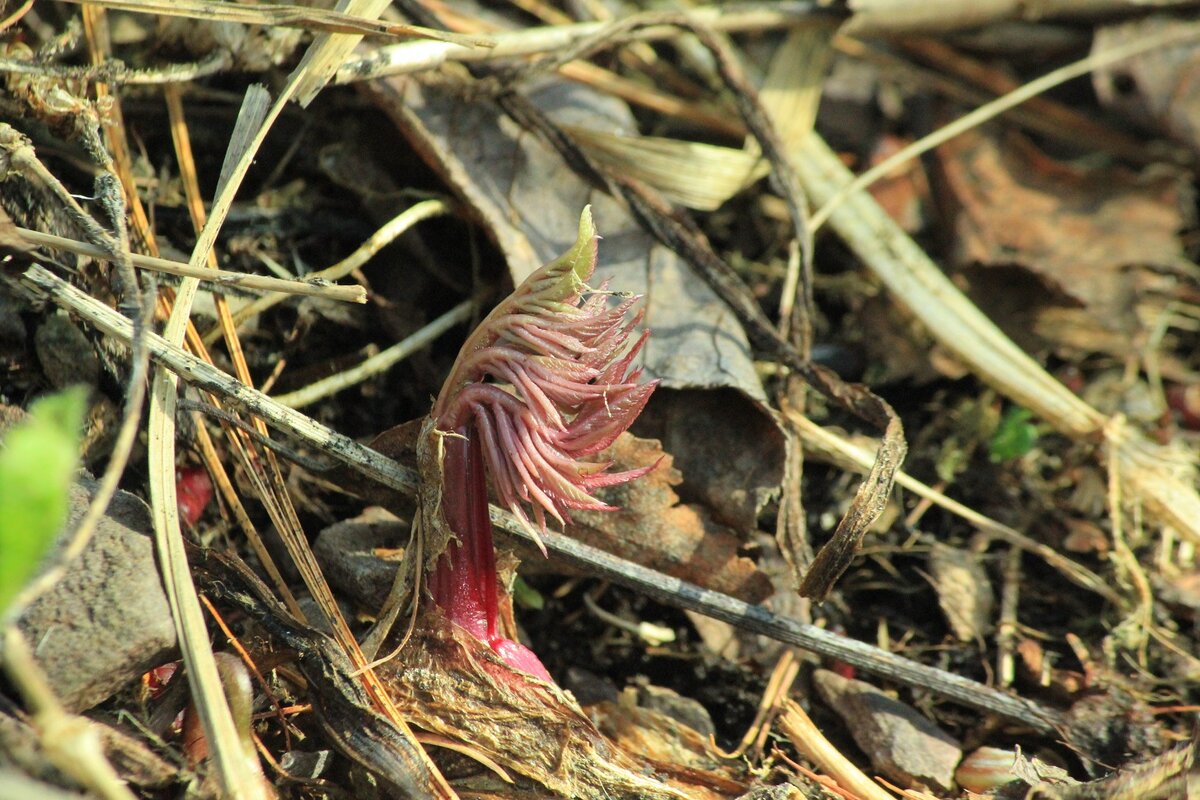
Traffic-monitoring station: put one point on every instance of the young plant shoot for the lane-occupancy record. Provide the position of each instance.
(544, 383)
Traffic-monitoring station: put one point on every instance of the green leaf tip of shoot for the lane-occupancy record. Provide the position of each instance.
(38, 460)
(573, 268)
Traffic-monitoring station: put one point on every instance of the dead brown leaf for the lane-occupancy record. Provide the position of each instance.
(1081, 231)
(652, 528)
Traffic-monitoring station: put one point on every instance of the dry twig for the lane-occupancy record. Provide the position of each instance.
(262, 283)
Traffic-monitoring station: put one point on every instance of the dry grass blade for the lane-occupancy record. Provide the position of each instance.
(380, 362)
(1163, 482)
(329, 50)
(693, 174)
(236, 393)
(187, 169)
(875, 17)
(237, 773)
(418, 56)
(374, 243)
(779, 685)
(790, 95)
(262, 283)
(284, 16)
(237, 164)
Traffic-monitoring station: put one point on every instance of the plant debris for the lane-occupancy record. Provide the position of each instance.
(835, 246)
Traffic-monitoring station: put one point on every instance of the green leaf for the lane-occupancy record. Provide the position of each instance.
(526, 596)
(1014, 437)
(38, 460)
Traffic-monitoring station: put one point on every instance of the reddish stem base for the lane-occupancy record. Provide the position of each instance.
(464, 583)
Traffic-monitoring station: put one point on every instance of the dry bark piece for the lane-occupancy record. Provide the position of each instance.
(964, 591)
(107, 621)
(899, 741)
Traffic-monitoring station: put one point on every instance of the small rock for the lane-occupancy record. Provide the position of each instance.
(679, 708)
(66, 354)
(901, 743)
(360, 556)
(107, 620)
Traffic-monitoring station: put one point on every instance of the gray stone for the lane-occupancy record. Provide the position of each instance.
(66, 354)
(900, 742)
(682, 709)
(107, 620)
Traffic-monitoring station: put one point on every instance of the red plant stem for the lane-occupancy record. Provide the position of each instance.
(464, 584)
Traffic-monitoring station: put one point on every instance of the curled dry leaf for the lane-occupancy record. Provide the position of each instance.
(652, 528)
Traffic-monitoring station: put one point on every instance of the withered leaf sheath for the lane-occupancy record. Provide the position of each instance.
(543, 383)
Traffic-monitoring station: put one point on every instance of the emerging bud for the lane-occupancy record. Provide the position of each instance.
(542, 383)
